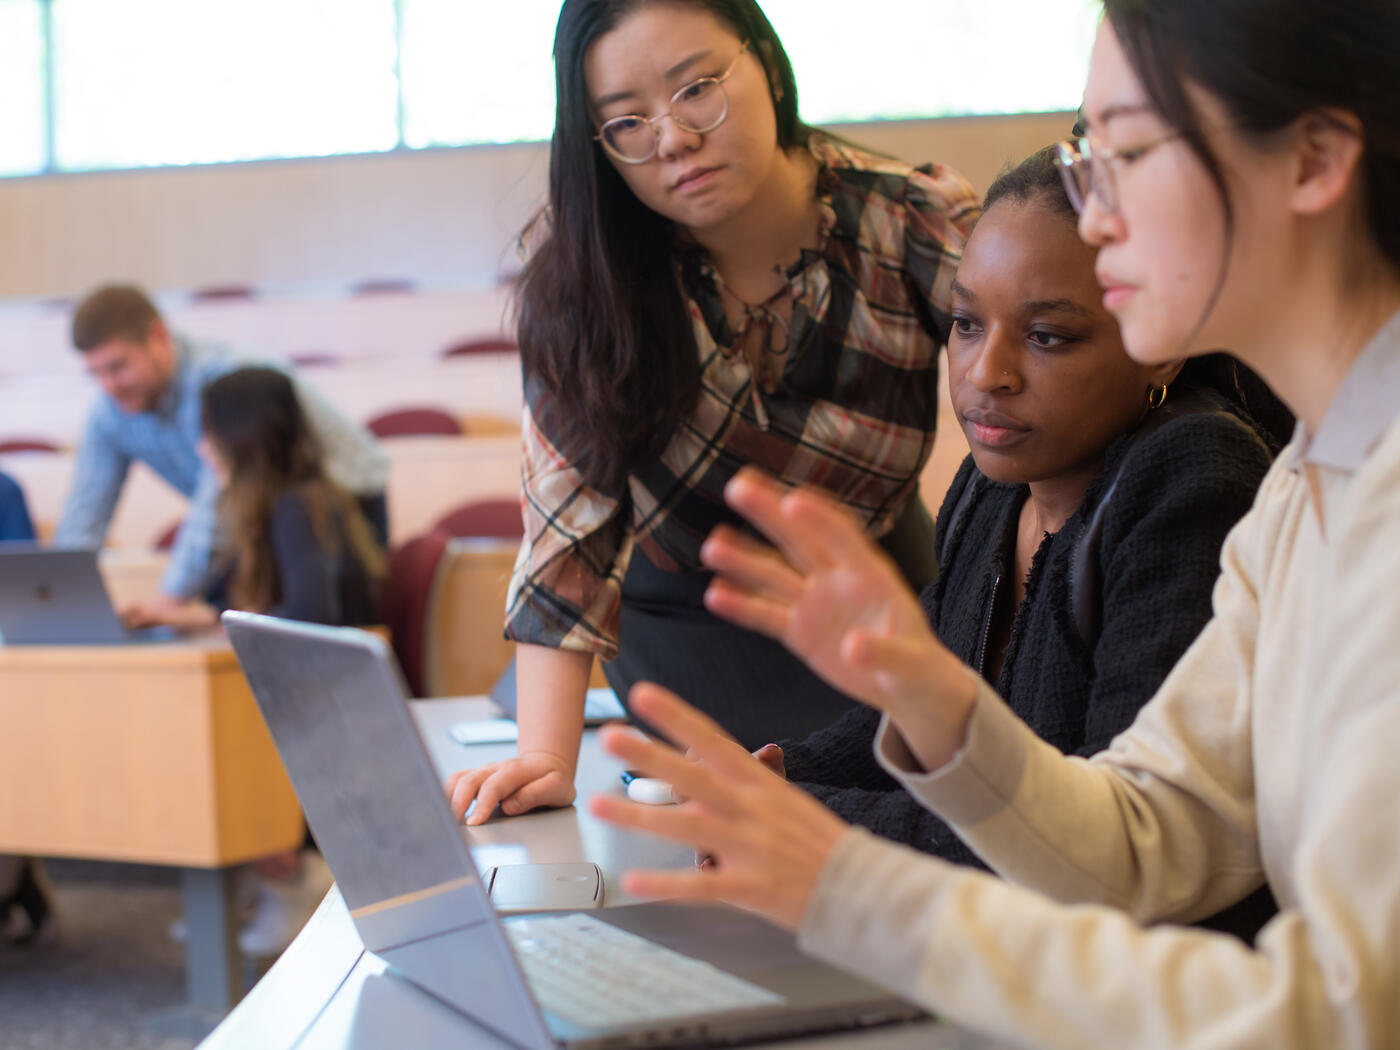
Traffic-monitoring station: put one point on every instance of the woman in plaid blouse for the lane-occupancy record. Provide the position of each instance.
(717, 286)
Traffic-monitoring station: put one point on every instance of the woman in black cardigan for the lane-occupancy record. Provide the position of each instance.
(1079, 542)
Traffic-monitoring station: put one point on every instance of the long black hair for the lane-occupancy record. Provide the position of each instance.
(1037, 180)
(1270, 62)
(604, 331)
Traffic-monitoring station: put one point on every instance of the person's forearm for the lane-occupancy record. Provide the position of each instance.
(550, 688)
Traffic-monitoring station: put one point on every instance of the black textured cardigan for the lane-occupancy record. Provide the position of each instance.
(1180, 490)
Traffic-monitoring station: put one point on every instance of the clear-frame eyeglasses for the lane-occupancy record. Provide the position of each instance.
(1088, 169)
(697, 107)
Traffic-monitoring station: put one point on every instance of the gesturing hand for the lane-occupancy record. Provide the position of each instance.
(769, 839)
(833, 597)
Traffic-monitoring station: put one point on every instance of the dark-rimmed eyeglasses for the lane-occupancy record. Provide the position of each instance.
(1087, 170)
(698, 107)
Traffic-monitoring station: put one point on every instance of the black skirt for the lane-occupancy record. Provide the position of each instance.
(748, 683)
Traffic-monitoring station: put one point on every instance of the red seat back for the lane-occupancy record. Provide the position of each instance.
(408, 591)
(500, 344)
(405, 422)
(496, 518)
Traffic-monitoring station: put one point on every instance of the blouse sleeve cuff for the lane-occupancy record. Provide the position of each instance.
(980, 779)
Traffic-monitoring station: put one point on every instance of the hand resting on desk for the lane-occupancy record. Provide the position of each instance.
(165, 611)
(527, 781)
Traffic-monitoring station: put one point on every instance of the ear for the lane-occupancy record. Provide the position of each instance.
(157, 335)
(1165, 373)
(1330, 144)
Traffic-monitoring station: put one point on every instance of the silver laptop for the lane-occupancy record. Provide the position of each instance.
(57, 597)
(643, 975)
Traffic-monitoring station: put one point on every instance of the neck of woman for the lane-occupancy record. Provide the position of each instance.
(1053, 501)
(1317, 331)
(777, 223)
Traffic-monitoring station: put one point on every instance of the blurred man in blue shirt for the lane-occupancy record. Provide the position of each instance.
(149, 411)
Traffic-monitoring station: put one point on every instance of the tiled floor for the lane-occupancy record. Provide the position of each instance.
(109, 971)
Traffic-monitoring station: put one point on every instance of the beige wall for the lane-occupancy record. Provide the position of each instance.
(435, 216)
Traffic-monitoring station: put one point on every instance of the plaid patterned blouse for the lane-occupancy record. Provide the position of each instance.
(853, 411)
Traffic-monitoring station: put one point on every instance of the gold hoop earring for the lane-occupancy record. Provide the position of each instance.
(1156, 395)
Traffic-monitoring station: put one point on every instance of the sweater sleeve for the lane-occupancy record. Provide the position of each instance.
(1146, 827)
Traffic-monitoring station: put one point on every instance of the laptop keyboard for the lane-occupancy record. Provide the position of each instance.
(595, 975)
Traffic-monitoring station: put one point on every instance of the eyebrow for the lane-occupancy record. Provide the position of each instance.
(675, 71)
(1120, 109)
(1034, 306)
(1065, 306)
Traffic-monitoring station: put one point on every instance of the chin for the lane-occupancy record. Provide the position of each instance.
(999, 468)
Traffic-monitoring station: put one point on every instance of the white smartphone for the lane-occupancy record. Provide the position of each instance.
(484, 731)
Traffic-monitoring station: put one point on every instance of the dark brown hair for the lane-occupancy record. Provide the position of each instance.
(254, 420)
(605, 337)
(114, 311)
(1270, 62)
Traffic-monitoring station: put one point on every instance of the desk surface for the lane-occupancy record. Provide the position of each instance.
(328, 992)
(150, 753)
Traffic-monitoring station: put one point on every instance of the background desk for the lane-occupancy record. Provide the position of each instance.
(328, 992)
(148, 753)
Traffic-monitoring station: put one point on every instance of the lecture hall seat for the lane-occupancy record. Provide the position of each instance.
(408, 422)
(500, 344)
(27, 444)
(490, 518)
(407, 600)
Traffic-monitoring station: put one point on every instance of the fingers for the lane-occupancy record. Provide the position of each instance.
(689, 823)
(750, 609)
(760, 499)
(708, 744)
(504, 781)
(552, 789)
(701, 885)
(461, 789)
(771, 755)
(754, 566)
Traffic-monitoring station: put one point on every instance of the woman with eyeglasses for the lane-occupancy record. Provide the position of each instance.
(715, 285)
(1241, 181)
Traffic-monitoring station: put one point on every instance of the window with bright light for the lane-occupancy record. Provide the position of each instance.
(143, 82)
(477, 72)
(137, 83)
(906, 59)
(21, 87)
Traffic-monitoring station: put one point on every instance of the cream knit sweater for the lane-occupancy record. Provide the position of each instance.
(1272, 751)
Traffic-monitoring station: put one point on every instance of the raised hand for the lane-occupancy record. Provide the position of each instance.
(831, 596)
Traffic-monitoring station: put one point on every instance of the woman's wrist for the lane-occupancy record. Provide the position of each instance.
(933, 718)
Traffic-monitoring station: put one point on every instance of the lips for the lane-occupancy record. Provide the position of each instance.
(1115, 291)
(693, 178)
(988, 427)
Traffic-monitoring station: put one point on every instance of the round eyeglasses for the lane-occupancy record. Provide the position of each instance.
(698, 107)
(1087, 170)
